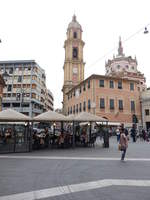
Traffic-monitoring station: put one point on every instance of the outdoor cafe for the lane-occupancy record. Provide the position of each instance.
(17, 132)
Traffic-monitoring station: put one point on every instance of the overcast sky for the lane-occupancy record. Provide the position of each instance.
(36, 29)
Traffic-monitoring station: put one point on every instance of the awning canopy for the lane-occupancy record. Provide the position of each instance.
(50, 116)
(86, 117)
(11, 115)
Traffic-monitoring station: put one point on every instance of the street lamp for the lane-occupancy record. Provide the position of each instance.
(145, 30)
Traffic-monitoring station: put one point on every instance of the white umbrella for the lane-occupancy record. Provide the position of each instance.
(11, 115)
(86, 117)
(50, 116)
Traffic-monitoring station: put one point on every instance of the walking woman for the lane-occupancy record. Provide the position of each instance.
(123, 143)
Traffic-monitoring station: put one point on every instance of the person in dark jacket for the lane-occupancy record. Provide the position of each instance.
(133, 133)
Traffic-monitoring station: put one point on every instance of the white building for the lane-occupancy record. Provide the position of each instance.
(125, 66)
(25, 89)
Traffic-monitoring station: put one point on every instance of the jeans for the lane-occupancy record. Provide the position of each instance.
(123, 153)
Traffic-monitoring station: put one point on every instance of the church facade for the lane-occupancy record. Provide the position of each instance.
(115, 95)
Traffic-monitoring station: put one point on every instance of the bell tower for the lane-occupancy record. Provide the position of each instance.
(73, 64)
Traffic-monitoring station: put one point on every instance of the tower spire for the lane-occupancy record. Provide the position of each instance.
(120, 48)
(74, 18)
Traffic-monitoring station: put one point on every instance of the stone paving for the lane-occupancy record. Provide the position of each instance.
(27, 176)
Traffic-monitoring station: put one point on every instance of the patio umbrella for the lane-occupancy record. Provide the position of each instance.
(86, 117)
(11, 115)
(50, 116)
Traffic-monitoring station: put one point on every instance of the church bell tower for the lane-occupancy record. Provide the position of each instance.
(73, 64)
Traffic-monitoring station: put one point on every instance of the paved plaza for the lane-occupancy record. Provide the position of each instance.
(77, 174)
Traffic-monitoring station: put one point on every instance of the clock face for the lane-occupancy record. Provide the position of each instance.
(75, 70)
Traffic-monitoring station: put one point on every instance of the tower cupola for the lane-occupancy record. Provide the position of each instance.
(74, 24)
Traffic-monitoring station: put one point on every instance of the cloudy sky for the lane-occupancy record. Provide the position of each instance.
(36, 29)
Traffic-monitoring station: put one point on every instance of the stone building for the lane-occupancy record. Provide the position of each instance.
(25, 89)
(114, 98)
(74, 64)
(115, 95)
(125, 66)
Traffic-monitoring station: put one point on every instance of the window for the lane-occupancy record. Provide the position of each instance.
(111, 104)
(11, 70)
(68, 96)
(89, 104)
(73, 109)
(19, 78)
(84, 87)
(118, 66)
(132, 86)
(68, 110)
(18, 97)
(132, 106)
(102, 103)
(120, 104)
(75, 52)
(80, 89)
(147, 112)
(127, 66)
(75, 35)
(16, 104)
(14, 95)
(101, 83)
(80, 109)
(111, 84)
(9, 88)
(84, 106)
(133, 67)
(74, 93)
(88, 83)
(77, 108)
(119, 84)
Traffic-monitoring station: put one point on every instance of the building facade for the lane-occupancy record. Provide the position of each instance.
(115, 95)
(114, 98)
(2, 84)
(49, 100)
(25, 89)
(125, 66)
(73, 64)
(145, 104)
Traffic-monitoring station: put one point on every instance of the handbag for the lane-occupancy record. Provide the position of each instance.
(119, 147)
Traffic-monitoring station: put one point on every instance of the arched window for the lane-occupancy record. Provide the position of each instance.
(75, 35)
(75, 52)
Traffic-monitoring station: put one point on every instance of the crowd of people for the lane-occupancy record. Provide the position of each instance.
(6, 136)
(62, 138)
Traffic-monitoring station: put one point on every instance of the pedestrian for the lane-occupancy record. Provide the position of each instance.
(133, 133)
(123, 144)
(46, 139)
(118, 134)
